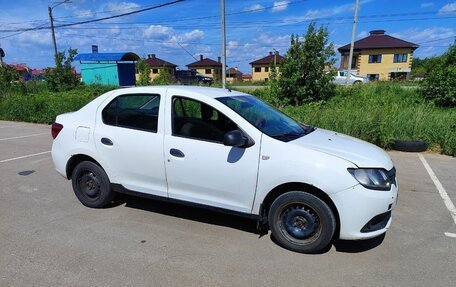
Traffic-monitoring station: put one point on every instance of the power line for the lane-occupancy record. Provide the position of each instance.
(96, 20)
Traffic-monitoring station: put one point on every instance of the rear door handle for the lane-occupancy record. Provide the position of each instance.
(176, 153)
(106, 141)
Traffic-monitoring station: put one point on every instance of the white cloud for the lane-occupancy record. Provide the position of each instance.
(363, 34)
(427, 4)
(326, 12)
(416, 35)
(158, 32)
(280, 6)
(449, 8)
(254, 7)
(83, 13)
(123, 7)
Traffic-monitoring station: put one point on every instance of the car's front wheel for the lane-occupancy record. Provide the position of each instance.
(301, 222)
(91, 185)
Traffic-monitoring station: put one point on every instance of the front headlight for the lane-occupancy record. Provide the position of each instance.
(372, 178)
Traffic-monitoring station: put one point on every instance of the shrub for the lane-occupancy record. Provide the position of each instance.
(144, 72)
(440, 83)
(63, 76)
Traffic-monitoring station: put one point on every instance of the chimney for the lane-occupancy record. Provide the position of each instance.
(377, 32)
(94, 49)
(149, 56)
(219, 59)
(276, 53)
(153, 56)
(201, 57)
(270, 53)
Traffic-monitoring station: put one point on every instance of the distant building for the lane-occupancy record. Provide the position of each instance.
(22, 70)
(207, 67)
(233, 75)
(116, 69)
(379, 56)
(157, 65)
(261, 67)
(246, 77)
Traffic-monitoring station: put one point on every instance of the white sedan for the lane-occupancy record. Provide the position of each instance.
(229, 151)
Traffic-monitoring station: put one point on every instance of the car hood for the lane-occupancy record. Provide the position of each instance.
(360, 153)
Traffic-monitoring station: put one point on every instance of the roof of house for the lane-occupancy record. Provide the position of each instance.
(268, 59)
(205, 63)
(125, 56)
(19, 67)
(153, 61)
(378, 40)
(246, 76)
(233, 71)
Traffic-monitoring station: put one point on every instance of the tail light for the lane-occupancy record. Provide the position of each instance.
(55, 130)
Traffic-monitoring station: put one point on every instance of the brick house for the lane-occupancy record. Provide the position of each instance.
(207, 67)
(261, 67)
(379, 56)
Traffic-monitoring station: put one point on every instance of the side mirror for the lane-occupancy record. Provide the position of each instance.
(234, 138)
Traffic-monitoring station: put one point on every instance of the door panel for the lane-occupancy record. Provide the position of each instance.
(129, 138)
(199, 167)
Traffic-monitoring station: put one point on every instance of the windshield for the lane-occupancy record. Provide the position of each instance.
(265, 118)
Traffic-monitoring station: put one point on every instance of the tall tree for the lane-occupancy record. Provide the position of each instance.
(306, 72)
(144, 72)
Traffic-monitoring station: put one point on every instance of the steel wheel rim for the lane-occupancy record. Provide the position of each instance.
(299, 223)
(89, 185)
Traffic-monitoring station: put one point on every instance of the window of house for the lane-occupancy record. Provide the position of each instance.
(373, 77)
(154, 71)
(375, 58)
(400, 58)
(266, 69)
(135, 111)
(208, 71)
(197, 120)
(257, 69)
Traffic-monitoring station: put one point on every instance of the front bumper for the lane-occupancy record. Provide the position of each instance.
(364, 213)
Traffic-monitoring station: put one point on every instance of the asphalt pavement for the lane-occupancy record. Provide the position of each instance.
(47, 238)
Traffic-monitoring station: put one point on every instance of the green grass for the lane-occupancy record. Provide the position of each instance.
(41, 106)
(378, 113)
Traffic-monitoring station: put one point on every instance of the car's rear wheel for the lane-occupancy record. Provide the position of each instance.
(91, 185)
(301, 222)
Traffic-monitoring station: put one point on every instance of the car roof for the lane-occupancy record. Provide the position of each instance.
(205, 91)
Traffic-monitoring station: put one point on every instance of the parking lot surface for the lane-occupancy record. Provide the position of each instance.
(47, 238)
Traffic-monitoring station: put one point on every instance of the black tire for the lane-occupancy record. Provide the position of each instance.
(301, 222)
(410, 146)
(91, 185)
(357, 83)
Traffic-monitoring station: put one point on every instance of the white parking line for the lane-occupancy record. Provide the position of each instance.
(12, 126)
(21, 137)
(443, 194)
(24, 156)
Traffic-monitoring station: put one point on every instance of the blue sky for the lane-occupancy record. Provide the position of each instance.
(190, 28)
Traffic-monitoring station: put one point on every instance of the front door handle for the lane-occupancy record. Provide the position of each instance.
(106, 141)
(176, 153)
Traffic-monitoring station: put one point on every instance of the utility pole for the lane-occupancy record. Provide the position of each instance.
(350, 57)
(51, 19)
(223, 45)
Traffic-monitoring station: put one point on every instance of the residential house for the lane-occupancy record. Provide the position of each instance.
(379, 56)
(116, 69)
(207, 67)
(22, 70)
(233, 75)
(157, 66)
(261, 67)
(246, 77)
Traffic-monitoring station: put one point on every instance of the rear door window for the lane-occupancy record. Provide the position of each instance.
(135, 111)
